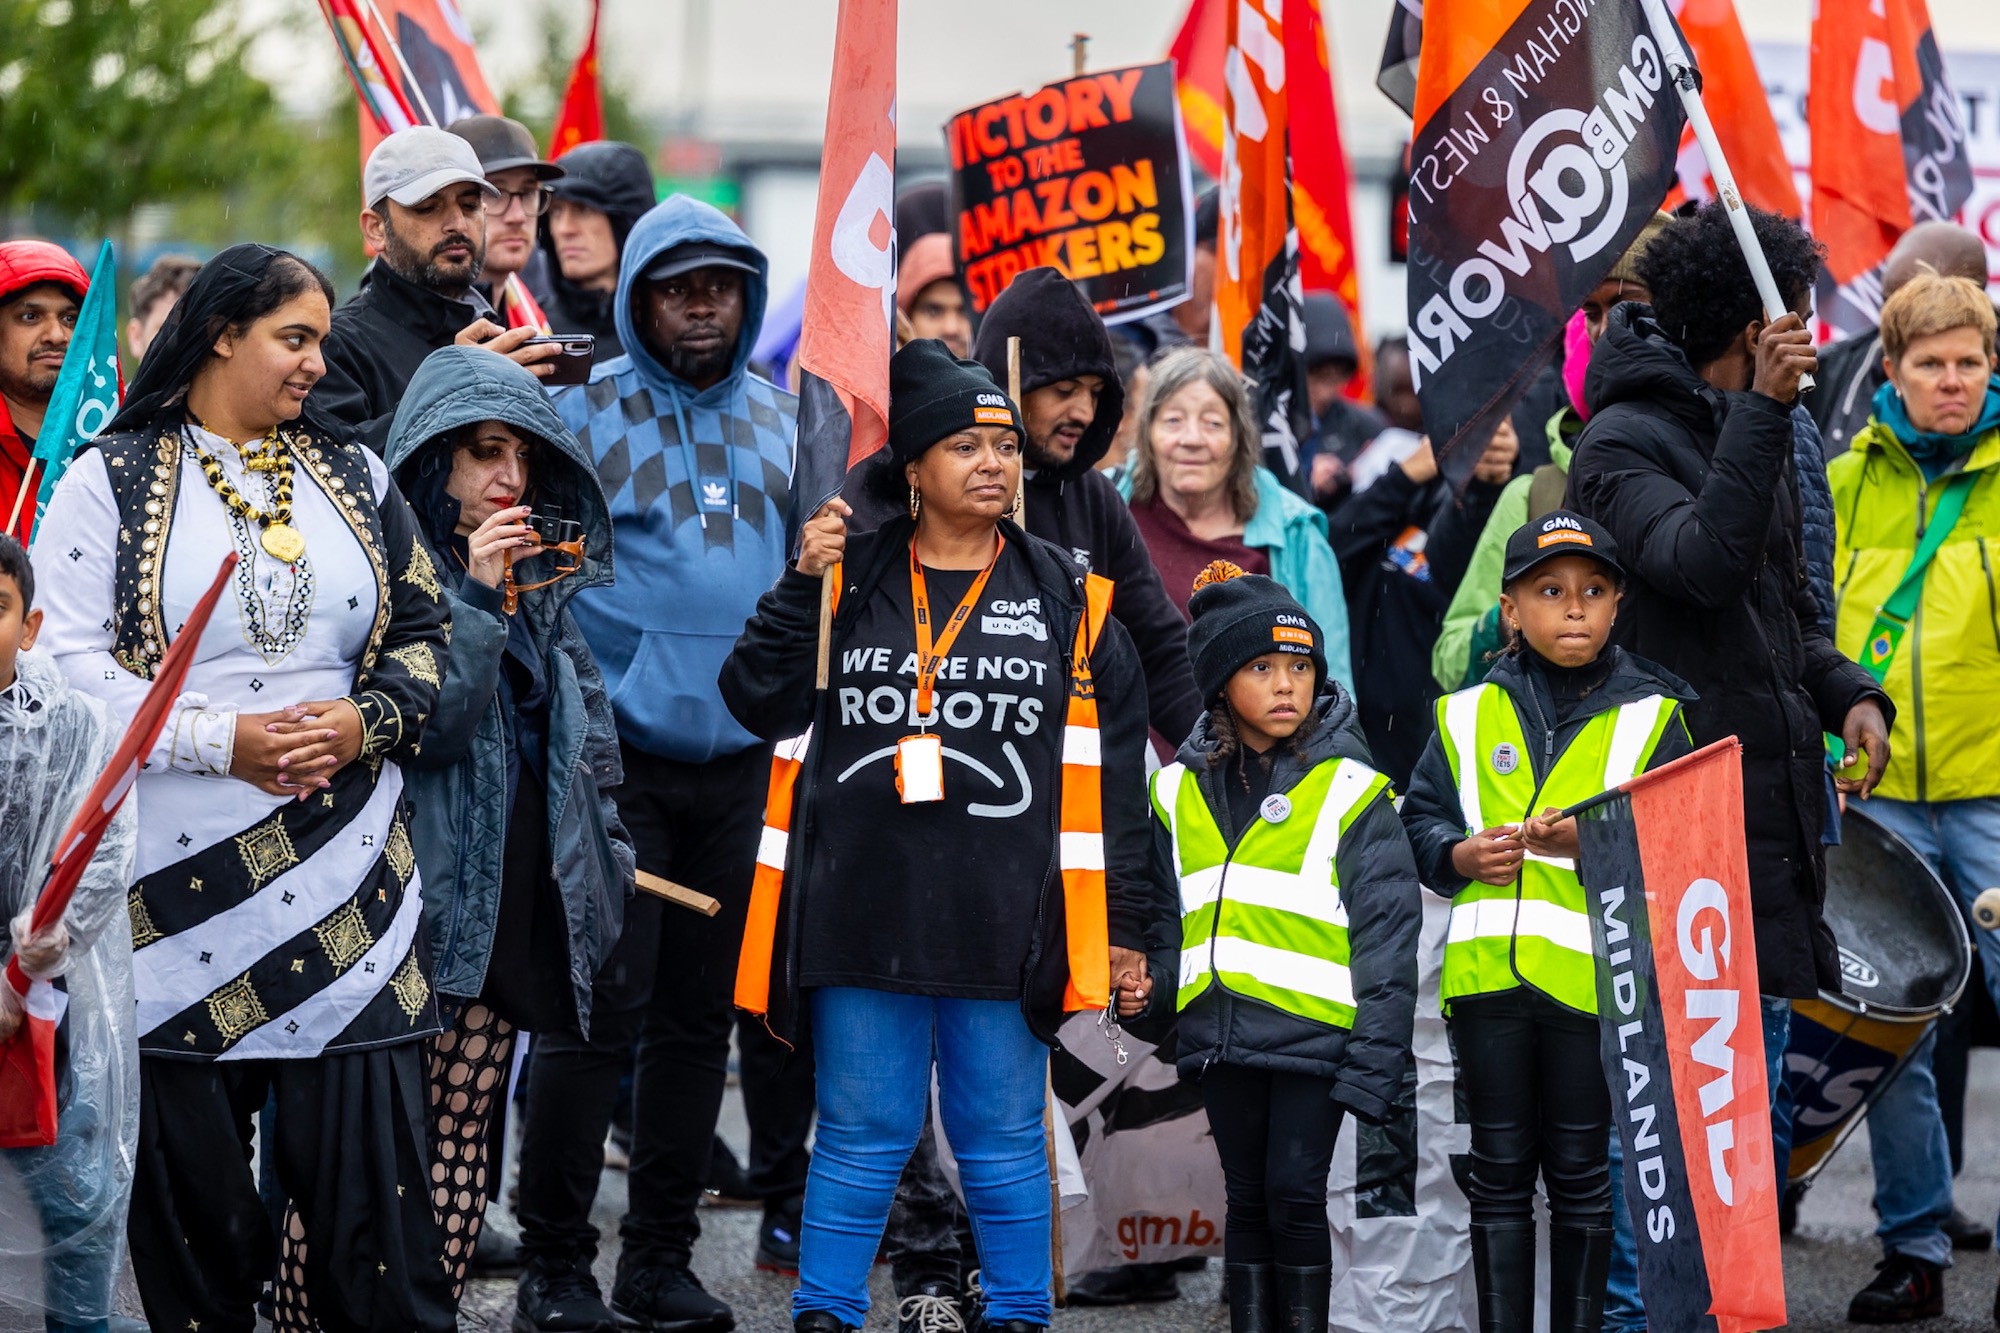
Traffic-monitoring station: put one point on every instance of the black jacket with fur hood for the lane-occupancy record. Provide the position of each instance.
(1371, 1064)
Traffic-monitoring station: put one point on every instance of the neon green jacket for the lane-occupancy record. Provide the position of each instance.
(1945, 678)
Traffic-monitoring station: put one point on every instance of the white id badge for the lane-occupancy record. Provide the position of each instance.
(920, 769)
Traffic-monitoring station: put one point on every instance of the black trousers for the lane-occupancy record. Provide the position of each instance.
(1534, 1089)
(777, 1086)
(1275, 1134)
(350, 1152)
(668, 988)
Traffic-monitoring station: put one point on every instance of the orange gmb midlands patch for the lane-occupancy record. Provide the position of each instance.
(1291, 634)
(992, 416)
(1563, 535)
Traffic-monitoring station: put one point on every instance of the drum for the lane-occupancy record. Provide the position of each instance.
(1904, 959)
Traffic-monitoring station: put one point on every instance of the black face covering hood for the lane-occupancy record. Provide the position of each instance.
(1061, 338)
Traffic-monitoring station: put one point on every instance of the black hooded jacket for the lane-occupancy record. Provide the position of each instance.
(1696, 487)
(612, 178)
(1075, 506)
(1431, 809)
(378, 340)
(1379, 889)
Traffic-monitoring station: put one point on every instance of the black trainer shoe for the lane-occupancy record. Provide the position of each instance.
(560, 1300)
(1904, 1288)
(1132, 1284)
(934, 1307)
(495, 1254)
(1011, 1326)
(728, 1186)
(667, 1298)
(821, 1321)
(778, 1237)
(1967, 1233)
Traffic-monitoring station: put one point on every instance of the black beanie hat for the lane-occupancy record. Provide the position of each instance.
(1238, 617)
(933, 393)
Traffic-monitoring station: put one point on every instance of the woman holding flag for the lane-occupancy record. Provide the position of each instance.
(973, 852)
(275, 914)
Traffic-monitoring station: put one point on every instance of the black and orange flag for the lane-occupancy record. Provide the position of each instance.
(1546, 134)
(1258, 317)
(1680, 1035)
(1888, 144)
(849, 328)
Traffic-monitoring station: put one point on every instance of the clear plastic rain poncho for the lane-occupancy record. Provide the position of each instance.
(62, 1208)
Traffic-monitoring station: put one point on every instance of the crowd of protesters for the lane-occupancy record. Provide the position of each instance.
(507, 729)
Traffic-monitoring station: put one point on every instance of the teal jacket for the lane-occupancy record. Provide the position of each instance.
(1292, 534)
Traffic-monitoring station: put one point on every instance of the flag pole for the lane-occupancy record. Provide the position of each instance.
(1680, 69)
(403, 65)
(823, 672)
(27, 480)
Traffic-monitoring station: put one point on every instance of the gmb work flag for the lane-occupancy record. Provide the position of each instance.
(1680, 1031)
(1545, 137)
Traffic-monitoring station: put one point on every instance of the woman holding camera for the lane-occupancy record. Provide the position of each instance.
(526, 866)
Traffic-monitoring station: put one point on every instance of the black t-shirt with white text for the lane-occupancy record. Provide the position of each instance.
(937, 898)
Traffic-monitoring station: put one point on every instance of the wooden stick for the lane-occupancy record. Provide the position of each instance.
(678, 894)
(27, 486)
(1055, 1192)
(823, 673)
(1079, 49)
(1017, 511)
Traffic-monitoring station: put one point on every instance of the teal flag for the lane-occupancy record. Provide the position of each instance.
(87, 392)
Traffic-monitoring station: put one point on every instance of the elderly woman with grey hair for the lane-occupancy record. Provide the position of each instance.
(1199, 494)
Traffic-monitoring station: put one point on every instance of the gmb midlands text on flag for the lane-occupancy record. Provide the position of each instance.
(1545, 137)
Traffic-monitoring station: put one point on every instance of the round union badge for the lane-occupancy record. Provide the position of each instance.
(1276, 809)
(1505, 758)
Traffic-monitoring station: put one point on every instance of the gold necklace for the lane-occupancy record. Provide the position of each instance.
(280, 539)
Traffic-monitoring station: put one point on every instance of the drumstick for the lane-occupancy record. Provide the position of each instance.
(678, 894)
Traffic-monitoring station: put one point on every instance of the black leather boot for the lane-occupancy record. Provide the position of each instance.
(1253, 1297)
(1303, 1295)
(1503, 1266)
(1579, 1260)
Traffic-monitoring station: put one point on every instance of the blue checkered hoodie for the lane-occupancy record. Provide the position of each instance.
(697, 483)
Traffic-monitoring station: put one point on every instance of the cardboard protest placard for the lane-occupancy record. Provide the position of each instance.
(1088, 175)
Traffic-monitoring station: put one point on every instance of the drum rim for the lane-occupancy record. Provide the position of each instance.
(1899, 1013)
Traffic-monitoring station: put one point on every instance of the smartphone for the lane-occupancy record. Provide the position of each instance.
(573, 366)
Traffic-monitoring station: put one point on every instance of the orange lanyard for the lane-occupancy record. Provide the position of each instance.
(929, 658)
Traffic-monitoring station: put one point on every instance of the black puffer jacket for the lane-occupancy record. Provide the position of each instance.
(1378, 886)
(612, 178)
(767, 683)
(1696, 486)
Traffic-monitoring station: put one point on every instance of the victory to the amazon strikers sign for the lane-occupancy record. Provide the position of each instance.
(1088, 175)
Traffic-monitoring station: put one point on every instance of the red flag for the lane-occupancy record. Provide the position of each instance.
(27, 1059)
(1888, 146)
(1733, 91)
(581, 119)
(1320, 190)
(412, 63)
(1681, 1039)
(849, 327)
(1197, 54)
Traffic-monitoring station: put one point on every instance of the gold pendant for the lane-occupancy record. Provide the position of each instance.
(284, 542)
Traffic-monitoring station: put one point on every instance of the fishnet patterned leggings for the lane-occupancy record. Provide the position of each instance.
(469, 1066)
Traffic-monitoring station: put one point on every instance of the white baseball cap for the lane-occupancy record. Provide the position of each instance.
(415, 163)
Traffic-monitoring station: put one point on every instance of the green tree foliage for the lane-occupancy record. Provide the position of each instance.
(110, 105)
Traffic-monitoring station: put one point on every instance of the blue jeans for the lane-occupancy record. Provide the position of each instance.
(874, 1051)
(1906, 1134)
(1624, 1312)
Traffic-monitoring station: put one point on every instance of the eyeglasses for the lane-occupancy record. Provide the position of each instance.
(534, 201)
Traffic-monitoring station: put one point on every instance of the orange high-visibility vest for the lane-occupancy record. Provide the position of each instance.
(1080, 844)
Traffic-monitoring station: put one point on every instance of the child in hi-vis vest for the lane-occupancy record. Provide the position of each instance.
(1300, 915)
(1560, 718)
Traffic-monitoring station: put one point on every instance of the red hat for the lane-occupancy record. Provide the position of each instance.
(25, 263)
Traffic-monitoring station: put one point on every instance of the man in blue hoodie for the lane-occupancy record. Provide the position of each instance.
(695, 455)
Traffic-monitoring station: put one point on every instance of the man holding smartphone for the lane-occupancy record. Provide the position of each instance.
(425, 219)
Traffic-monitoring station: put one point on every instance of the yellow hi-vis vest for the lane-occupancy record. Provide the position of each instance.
(1537, 929)
(1266, 920)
